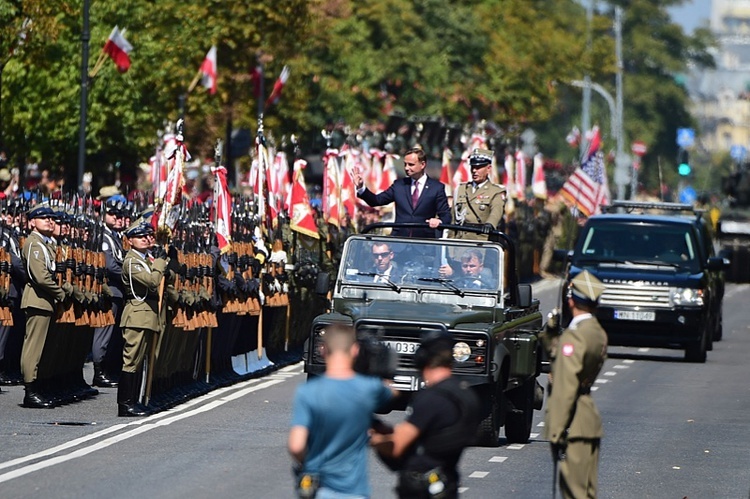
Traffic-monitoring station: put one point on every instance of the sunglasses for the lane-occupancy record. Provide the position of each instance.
(381, 255)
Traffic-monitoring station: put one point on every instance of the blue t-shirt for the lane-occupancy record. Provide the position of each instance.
(337, 414)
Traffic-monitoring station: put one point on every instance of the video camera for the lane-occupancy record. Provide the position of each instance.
(375, 358)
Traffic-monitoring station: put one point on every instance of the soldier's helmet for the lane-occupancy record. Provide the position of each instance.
(116, 205)
(480, 157)
(42, 210)
(139, 228)
(586, 288)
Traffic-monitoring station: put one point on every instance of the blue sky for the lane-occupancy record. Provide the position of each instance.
(692, 14)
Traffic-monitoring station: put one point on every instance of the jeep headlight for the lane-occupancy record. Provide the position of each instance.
(461, 352)
(686, 297)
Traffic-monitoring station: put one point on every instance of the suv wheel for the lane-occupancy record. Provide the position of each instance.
(719, 330)
(697, 352)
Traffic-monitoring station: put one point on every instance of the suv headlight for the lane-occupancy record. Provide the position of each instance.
(461, 352)
(686, 297)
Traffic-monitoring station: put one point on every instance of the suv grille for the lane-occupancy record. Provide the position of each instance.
(633, 295)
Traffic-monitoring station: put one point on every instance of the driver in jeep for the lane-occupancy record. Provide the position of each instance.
(473, 274)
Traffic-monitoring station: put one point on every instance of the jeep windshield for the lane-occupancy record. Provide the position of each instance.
(639, 244)
(448, 265)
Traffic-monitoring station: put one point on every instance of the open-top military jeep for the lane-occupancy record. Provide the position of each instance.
(494, 320)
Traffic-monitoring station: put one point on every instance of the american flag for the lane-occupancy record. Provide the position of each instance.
(587, 188)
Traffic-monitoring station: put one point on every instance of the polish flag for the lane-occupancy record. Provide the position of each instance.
(520, 180)
(208, 71)
(277, 87)
(222, 210)
(445, 172)
(118, 48)
(538, 182)
(332, 190)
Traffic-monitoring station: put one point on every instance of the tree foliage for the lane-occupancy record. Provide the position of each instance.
(509, 61)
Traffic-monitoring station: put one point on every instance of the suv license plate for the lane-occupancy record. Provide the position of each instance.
(633, 315)
(402, 347)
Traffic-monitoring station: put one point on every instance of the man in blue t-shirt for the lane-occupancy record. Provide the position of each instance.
(330, 419)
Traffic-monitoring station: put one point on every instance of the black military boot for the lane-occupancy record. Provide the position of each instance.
(126, 398)
(34, 399)
(100, 377)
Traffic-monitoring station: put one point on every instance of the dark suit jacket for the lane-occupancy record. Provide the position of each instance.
(432, 203)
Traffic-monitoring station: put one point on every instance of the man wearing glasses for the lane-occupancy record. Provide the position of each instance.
(418, 198)
(384, 266)
(103, 343)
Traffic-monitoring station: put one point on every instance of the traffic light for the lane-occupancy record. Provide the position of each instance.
(683, 161)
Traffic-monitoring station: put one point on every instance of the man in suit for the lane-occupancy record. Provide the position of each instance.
(479, 202)
(472, 272)
(383, 264)
(142, 273)
(573, 424)
(41, 295)
(418, 198)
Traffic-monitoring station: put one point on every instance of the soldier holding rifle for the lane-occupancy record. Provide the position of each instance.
(142, 273)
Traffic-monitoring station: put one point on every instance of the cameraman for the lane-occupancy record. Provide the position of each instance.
(442, 421)
(330, 418)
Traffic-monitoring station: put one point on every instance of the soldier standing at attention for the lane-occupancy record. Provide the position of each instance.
(40, 298)
(479, 202)
(142, 273)
(573, 424)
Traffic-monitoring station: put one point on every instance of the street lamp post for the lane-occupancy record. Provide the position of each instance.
(85, 37)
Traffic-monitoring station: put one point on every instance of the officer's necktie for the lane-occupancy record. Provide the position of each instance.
(415, 194)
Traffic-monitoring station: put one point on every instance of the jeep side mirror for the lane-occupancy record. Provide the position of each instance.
(322, 284)
(717, 263)
(524, 296)
(562, 255)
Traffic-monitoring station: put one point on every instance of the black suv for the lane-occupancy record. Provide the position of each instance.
(664, 284)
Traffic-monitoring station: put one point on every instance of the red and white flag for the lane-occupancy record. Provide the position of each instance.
(118, 48)
(222, 210)
(389, 174)
(520, 180)
(208, 71)
(278, 87)
(538, 181)
(348, 191)
(302, 219)
(445, 172)
(332, 190)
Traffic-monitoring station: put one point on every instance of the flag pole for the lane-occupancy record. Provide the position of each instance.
(195, 81)
(98, 65)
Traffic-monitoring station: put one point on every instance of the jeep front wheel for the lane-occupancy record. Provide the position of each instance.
(488, 432)
(519, 419)
(697, 351)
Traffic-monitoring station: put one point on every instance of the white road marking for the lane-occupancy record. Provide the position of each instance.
(142, 426)
(479, 474)
(515, 446)
(498, 459)
(620, 366)
(594, 388)
(533, 435)
(602, 381)
(644, 349)
(541, 423)
(628, 361)
(461, 490)
(610, 373)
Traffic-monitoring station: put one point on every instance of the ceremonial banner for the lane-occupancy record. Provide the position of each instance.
(222, 209)
(332, 189)
(520, 179)
(538, 182)
(277, 87)
(302, 219)
(445, 172)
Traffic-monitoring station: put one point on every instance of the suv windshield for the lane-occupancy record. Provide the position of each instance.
(628, 243)
(444, 264)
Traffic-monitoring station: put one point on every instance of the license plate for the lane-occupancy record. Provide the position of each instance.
(635, 315)
(402, 347)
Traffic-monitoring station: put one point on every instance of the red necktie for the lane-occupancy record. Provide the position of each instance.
(415, 195)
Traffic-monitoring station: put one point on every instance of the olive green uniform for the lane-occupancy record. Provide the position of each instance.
(572, 416)
(40, 298)
(140, 316)
(478, 206)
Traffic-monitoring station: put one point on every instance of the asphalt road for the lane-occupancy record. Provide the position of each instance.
(672, 430)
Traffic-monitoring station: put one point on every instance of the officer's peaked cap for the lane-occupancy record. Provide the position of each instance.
(586, 287)
(480, 157)
(139, 228)
(108, 191)
(40, 210)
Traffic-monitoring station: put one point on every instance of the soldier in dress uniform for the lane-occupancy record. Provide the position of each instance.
(40, 297)
(11, 336)
(142, 274)
(108, 337)
(573, 424)
(479, 202)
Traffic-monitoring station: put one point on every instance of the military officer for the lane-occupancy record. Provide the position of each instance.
(40, 297)
(573, 425)
(479, 202)
(105, 337)
(142, 273)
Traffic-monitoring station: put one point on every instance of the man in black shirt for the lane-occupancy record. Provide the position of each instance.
(442, 421)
